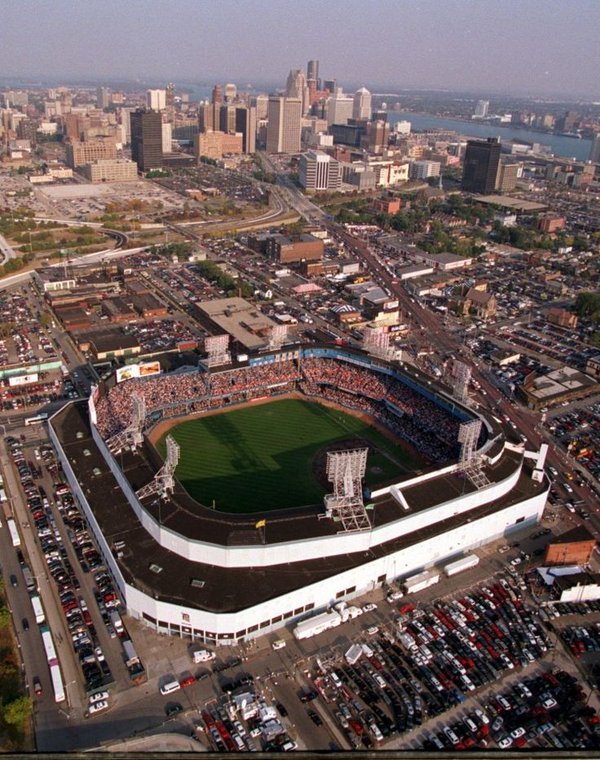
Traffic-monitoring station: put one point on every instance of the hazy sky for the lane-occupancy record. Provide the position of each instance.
(534, 46)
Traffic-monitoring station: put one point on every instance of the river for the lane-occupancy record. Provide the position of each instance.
(565, 147)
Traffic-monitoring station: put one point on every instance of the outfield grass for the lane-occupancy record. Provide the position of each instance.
(260, 457)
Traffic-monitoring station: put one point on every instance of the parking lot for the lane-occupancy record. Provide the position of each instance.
(578, 431)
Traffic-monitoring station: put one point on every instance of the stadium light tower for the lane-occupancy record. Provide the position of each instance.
(133, 435)
(278, 337)
(470, 464)
(376, 341)
(462, 376)
(163, 482)
(346, 469)
(217, 350)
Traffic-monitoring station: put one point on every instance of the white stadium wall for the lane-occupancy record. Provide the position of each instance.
(361, 579)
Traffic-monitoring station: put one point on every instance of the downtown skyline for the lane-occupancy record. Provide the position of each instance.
(535, 48)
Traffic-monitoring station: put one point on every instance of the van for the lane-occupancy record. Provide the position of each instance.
(169, 687)
(203, 655)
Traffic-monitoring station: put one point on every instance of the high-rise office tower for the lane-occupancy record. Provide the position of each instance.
(217, 95)
(156, 99)
(330, 85)
(319, 171)
(595, 149)
(361, 108)
(146, 139)
(296, 88)
(245, 122)
(339, 108)
(166, 137)
(481, 166)
(226, 122)
(103, 97)
(312, 71)
(262, 105)
(481, 109)
(230, 92)
(285, 124)
(170, 95)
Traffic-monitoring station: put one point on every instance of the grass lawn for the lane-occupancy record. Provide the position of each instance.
(260, 457)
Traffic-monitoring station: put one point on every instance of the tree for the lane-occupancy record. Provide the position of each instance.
(587, 306)
(4, 617)
(17, 712)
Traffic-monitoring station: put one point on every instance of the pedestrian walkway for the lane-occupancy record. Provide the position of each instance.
(157, 743)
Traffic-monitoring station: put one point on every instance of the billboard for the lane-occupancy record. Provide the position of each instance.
(23, 379)
(149, 368)
(127, 373)
(144, 369)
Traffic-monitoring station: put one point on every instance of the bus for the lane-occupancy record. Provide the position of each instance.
(14, 533)
(36, 603)
(39, 418)
(57, 682)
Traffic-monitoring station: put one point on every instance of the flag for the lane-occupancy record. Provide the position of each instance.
(260, 524)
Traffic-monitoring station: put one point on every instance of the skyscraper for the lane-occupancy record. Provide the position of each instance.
(481, 109)
(284, 128)
(146, 139)
(481, 166)
(296, 88)
(339, 108)
(230, 92)
(595, 149)
(103, 97)
(312, 71)
(156, 99)
(361, 108)
(245, 122)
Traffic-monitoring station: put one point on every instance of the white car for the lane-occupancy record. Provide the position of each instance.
(279, 644)
(369, 607)
(372, 630)
(99, 696)
(97, 707)
(481, 717)
(505, 742)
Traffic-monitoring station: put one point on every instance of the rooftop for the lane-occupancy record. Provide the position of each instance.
(227, 589)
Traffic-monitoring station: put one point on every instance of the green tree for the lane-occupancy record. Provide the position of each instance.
(17, 712)
(4, 617)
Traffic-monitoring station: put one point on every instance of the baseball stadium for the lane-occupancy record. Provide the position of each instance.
(229, 501)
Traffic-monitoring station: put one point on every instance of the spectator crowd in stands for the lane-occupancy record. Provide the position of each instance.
(409, 414)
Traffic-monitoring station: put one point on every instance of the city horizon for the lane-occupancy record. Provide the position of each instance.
(429, 47)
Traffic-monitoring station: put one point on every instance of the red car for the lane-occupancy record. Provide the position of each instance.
(37, 687)
(187, 681)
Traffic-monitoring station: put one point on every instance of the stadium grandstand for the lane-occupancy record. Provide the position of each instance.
(187, 569)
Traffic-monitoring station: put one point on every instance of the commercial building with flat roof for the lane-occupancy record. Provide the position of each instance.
(80, 153)
(240, 319)
(106, 170)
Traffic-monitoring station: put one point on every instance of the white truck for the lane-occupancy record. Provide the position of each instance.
(460, 565)
(317, 624)
(203, 655)
(420, 581)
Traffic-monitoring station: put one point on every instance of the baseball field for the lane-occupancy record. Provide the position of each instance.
(272, 456)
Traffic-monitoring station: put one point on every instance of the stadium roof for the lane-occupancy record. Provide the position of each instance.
(227, 589)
